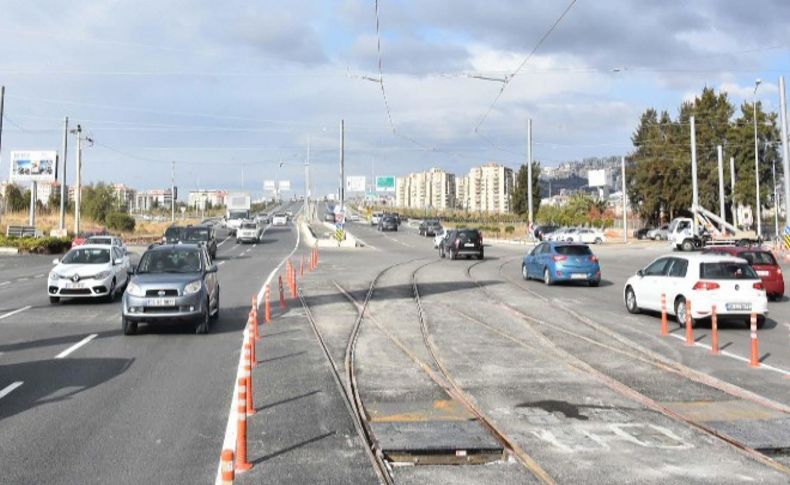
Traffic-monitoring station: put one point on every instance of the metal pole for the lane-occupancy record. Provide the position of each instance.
(625, 201)
(2, 113)
(756, 162)
(694, 191)
(33, 196)
(776, 205)
(785, 149)
(63, 188)
(732, 193)
(342, 165)
(529, 172)
(307, 184)
(720, 151)
(173, 191)
(78, 184)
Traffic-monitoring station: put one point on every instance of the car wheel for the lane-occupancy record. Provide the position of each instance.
(215, 315)
(680, 313)
(593, 283)
(111, 295)
(630, 301)
(129, 327)
(441, 253)
(687, 245)
(201, 326)
(54, 300)
(546, 277)
(598, 240)
(524, 272)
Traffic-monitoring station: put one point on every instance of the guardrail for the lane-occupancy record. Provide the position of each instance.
(21, 231)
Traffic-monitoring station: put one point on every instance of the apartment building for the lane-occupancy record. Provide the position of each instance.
(125, 196)
(487, 188)
(202, 198)
(148, 199)
(433, 189)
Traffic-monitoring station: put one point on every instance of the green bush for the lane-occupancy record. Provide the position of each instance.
(120, 221)
(510, 229)
(37, 245)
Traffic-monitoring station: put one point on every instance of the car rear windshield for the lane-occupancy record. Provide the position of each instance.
(727, 270)
(87, 256)
(173, 232)
(100, 240)
(573, 250)
(758, 257)
(249, 226)
(469, 235)
(170, 261)
(196, 234)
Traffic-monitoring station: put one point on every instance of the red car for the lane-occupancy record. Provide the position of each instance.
(764, 264)
(82, 237)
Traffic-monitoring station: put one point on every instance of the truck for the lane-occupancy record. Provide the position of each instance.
(238, 210)
(711, 231)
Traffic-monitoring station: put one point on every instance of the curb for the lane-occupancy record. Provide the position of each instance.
(5, 250)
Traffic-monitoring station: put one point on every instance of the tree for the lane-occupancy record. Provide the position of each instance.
(519, 197)
(15, 199)
(98, 201)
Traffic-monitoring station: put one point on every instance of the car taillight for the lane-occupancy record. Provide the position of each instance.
(778, 270)
(559, 258)
(759, 286)
(593, 259)
(705, 285)
(457, 242)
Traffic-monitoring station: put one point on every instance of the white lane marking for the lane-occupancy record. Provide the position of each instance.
(220, 263)
(9, 388)
(20, 280)
(5, 283)
(39, 276)
(733, 356)
(254, 245)
(229, 443)
(223, 241)
(18, 310)
(74, 347)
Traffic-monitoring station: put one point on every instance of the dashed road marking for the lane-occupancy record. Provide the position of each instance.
(220, 263)
(39, 276)
(5, 283)
(74, 347)
(9, 388)
(20, 280)
(223, 241)
(14, 312)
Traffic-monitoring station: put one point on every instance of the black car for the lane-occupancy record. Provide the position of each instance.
(462, 242)
(201, 235)
(430, 227)
(541, 231)
(388, 223)
(397, 217)
(173, 235)
(642, 233)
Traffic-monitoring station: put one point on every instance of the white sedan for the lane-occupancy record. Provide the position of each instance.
(89, 271)
(588, 236)
(701, 281)
(437, 239)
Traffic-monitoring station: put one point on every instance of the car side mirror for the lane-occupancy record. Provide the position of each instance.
(640, 273)
(130, 270)
(56, 261)
(212, 269)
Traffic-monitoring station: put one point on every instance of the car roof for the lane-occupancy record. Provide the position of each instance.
(177, 247)
(563, 243)
(704, 257)
(93, 246)
(737, 249)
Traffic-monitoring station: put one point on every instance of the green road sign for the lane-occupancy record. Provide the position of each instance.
(385, 184)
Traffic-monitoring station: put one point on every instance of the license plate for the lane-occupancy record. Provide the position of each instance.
(763, 273)
(579, 276)
(161, 302)
(469, 245)
(74, 286)
(736, 307)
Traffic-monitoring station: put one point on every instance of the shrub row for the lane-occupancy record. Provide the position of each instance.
(37, 245)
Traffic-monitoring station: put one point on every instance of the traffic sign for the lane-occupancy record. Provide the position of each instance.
(385, 184)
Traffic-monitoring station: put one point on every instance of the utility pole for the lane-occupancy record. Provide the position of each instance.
(2, 113)
(694, 191)
(732, 193)
(173, 192)
(529, 175)
(625, 201)
(78, 184)
(756, 161)
(63, 189)
(785, 149)
(307, 185)
(776, 205)
(342, 165)
(721, 181)
(33, 196)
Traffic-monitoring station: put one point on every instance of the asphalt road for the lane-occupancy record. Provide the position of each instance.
(150, 408)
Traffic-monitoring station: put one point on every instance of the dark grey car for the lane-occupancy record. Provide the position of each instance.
(172, 283)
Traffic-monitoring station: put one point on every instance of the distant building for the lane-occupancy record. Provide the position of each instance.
(125, 196)
(148, 199)
(487, 188)
(45, 189)
(433, 189)
(199, 199)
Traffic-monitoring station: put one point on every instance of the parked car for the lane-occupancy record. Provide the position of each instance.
(281, 219)
(702, 279)
(248, 232)
(763, 263)
(172, 283)
(88, 271)
(82, 238)
(462, 242)
(201, 235)
(587, 235)
(388, 223)
(108, 241)
(430, 227)
(541, 232)
(660, 233)
(553, 262)
(641, 233)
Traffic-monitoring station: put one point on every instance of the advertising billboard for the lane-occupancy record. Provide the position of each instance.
(596, 178)
(385, 184)
(355, 183)
(268, 185)
(39, 166)
(285, 185)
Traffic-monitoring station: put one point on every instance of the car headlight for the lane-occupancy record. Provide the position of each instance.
(53, 276)
(134, 290)
(193, 287)
(102, 275)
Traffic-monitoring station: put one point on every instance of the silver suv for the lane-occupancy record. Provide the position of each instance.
(172, 283)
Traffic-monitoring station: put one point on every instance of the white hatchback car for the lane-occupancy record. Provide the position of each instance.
(703, 280)
(588, 236)
(89, 271)
(279, 219)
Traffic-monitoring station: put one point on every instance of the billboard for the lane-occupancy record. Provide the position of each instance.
(285, 185)
(268, 185)
(355, 183)
(39, 166)
(385, 184)
(596, 178)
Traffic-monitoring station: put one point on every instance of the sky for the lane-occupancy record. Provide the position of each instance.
(230, 90)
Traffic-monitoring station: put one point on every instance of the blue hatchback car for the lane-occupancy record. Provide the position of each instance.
(560, 261)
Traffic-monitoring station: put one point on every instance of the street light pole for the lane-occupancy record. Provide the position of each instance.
(173, 192)
(63, 189)
(785, 152)
(756, 160)
(529, 175)
(78, 181)
(694, 190)
(625, 201)
(732, 193)
(776, 200)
